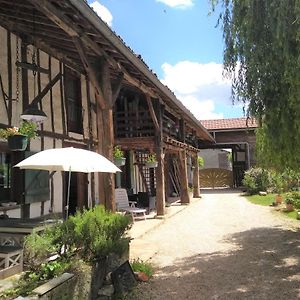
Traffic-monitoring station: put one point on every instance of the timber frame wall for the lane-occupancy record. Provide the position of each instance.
(69, 34)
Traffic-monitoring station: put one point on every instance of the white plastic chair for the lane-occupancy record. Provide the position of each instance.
(124, 205)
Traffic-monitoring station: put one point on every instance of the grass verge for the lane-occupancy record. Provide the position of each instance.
(267, 201)
(262, 200)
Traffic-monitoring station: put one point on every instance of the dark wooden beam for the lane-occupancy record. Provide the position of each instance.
(32, 67)
(90, 71)
(152, 112)
(46, 89)
(184, 196)
(117, 87)
(160, 156)
(55, 16)
(136, 143)
(196, 184)
(41, 44)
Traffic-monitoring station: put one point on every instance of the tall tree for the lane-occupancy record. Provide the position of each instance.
(262, 56)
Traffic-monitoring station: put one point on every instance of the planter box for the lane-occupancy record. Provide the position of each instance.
(151, 164)
(17, 142)
(119, 162)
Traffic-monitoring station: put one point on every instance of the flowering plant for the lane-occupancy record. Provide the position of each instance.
(26, 128)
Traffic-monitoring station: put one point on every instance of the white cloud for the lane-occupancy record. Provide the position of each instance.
(177, 3)
(200, 87)
(205, 109)
(102, 12)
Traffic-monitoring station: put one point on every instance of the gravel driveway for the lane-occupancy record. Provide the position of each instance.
(223, 247)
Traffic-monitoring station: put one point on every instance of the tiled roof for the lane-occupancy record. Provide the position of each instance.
(233, 123)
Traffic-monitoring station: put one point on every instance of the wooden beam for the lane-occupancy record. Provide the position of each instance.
(196, 184)
(152, 113)
(55, 16)
(90, 71)
(136, 143)
(32, 67)
(46, 89)
(184, 196)
(160, 155)
(73, 30)
(39, 43)
(117, 88)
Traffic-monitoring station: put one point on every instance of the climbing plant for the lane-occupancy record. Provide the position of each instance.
(262, 57)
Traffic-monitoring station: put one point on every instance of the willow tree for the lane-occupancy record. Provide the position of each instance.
(262, 56)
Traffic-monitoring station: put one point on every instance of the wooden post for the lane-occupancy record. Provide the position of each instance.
(184, 195)
(106, 142)
(105, 134)
(160, 170)
(196, 177)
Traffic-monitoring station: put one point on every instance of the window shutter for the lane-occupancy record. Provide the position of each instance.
(36, 184)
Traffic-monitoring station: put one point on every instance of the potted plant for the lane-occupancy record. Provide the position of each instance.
(151, 161)
(289, 204)
(18, 137)
(119, 158)
(278, 182)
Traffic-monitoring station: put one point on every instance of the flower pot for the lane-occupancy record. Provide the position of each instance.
(17, 142)
(151, 164)
(289, 207)
(120, 161)
(278, 199)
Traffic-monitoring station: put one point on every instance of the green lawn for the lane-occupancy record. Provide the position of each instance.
(262, 200)
(267, 200)
(291, 214)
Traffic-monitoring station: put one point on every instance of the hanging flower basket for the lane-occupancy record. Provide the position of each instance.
(120, 161)
(17, 142)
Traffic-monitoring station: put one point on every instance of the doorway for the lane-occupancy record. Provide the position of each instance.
(78, 191)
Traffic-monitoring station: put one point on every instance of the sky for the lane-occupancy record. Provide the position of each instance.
(179, 41)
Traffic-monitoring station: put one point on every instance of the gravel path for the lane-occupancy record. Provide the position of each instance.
(223, 247)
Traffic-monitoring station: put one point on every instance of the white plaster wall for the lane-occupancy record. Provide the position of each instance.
(14, 213)
(35, 145)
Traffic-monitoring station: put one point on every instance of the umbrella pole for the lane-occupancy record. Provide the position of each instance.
(68, 195)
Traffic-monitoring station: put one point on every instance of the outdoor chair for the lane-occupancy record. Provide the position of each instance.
(124, 205)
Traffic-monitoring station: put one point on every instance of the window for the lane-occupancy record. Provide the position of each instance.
(72, 85)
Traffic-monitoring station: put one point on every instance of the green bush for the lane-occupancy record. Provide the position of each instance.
(257, 179)
(89, 235)
(293, 198)
(98, 232)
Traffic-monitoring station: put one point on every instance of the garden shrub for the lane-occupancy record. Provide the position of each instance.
(98, 232)
(257, 179)
(295, 199)
(89, 235)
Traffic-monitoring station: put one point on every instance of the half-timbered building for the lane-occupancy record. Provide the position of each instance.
(60, 58)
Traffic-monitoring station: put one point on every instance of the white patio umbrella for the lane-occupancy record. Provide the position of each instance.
(70, 160)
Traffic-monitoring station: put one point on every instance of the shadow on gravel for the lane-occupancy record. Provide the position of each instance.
(264, 266)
